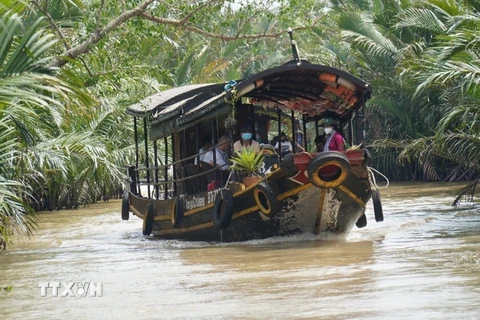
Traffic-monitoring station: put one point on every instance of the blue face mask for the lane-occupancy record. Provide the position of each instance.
(246, 136)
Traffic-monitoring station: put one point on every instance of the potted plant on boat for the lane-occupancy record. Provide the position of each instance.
(249, 163)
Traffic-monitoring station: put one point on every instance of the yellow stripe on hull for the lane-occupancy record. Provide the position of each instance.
(352, 195)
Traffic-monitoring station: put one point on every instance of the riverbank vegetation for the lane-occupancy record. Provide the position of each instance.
(69, 68)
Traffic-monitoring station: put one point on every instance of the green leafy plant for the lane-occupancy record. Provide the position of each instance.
(248, 161)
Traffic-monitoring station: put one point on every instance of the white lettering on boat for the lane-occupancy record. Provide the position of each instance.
(212, 195)
(195, 202)
(200, 200)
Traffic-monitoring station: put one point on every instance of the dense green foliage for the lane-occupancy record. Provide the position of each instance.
(69, 68)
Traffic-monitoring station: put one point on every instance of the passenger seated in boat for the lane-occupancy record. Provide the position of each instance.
(203, 150)
(320, 142)
(334, 140)
(246, 141)
(221, 155)
(267, 149)
(284, 146)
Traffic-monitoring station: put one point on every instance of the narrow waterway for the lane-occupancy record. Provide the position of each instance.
(422, 262)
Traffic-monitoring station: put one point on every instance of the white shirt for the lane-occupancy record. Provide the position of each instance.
(286, 146)
(201, 156)
(238, 146)
(221, 158)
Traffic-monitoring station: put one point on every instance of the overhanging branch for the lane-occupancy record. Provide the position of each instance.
(182, 24)
(100, 34)
(140, 11)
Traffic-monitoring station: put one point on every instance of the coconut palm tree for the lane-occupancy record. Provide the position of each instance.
(421, 59)
(31, 101)
(451, 68)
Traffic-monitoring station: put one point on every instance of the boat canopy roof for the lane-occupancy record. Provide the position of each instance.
(310, 89)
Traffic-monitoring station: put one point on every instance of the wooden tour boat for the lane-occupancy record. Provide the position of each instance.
(180, 197)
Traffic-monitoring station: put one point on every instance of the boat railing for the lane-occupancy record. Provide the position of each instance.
(181, 161)
(161, 177)
(168, 175)
(163, 182)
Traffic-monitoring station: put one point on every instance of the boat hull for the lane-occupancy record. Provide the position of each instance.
(302, 208)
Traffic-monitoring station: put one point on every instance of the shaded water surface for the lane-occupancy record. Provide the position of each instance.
(422, 262)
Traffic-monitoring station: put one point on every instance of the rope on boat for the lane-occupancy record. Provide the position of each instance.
(371, 177)
(228, 180)
(226, 183)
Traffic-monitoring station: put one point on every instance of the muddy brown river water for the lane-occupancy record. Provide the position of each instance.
(422, 262)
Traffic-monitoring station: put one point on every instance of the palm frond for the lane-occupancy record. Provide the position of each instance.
(467, 192)
(464, 76)
(366, 35)
(461, 117)
(421, 18)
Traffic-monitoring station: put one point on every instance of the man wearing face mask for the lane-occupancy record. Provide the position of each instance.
(246, 141)
(334, 140)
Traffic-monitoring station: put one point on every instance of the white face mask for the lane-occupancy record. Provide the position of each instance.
(328, 130)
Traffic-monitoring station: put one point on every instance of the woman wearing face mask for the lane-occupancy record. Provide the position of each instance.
(334, 140)
(246, 141)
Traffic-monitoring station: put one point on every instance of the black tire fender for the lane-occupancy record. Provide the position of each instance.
(377, 205)
(223, 209)
(362, 221)
(149, 219)
(177, 213)
(288, 165)
(333, 161)
(266, 199)
(125, 205)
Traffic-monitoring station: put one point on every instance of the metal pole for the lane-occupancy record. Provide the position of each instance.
(183, 151)
(155, 152)
(294, 144)
(145, 134)
(213, 143)
(279, 113)
(304, 133)
(183, 146)
(174, 169)
(352, 129)
(364, 126)
(165, 185)
(197, 147)
(252, 116)
(137, 178)
(296, 56)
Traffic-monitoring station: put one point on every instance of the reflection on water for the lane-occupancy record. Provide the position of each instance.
(422, 262)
